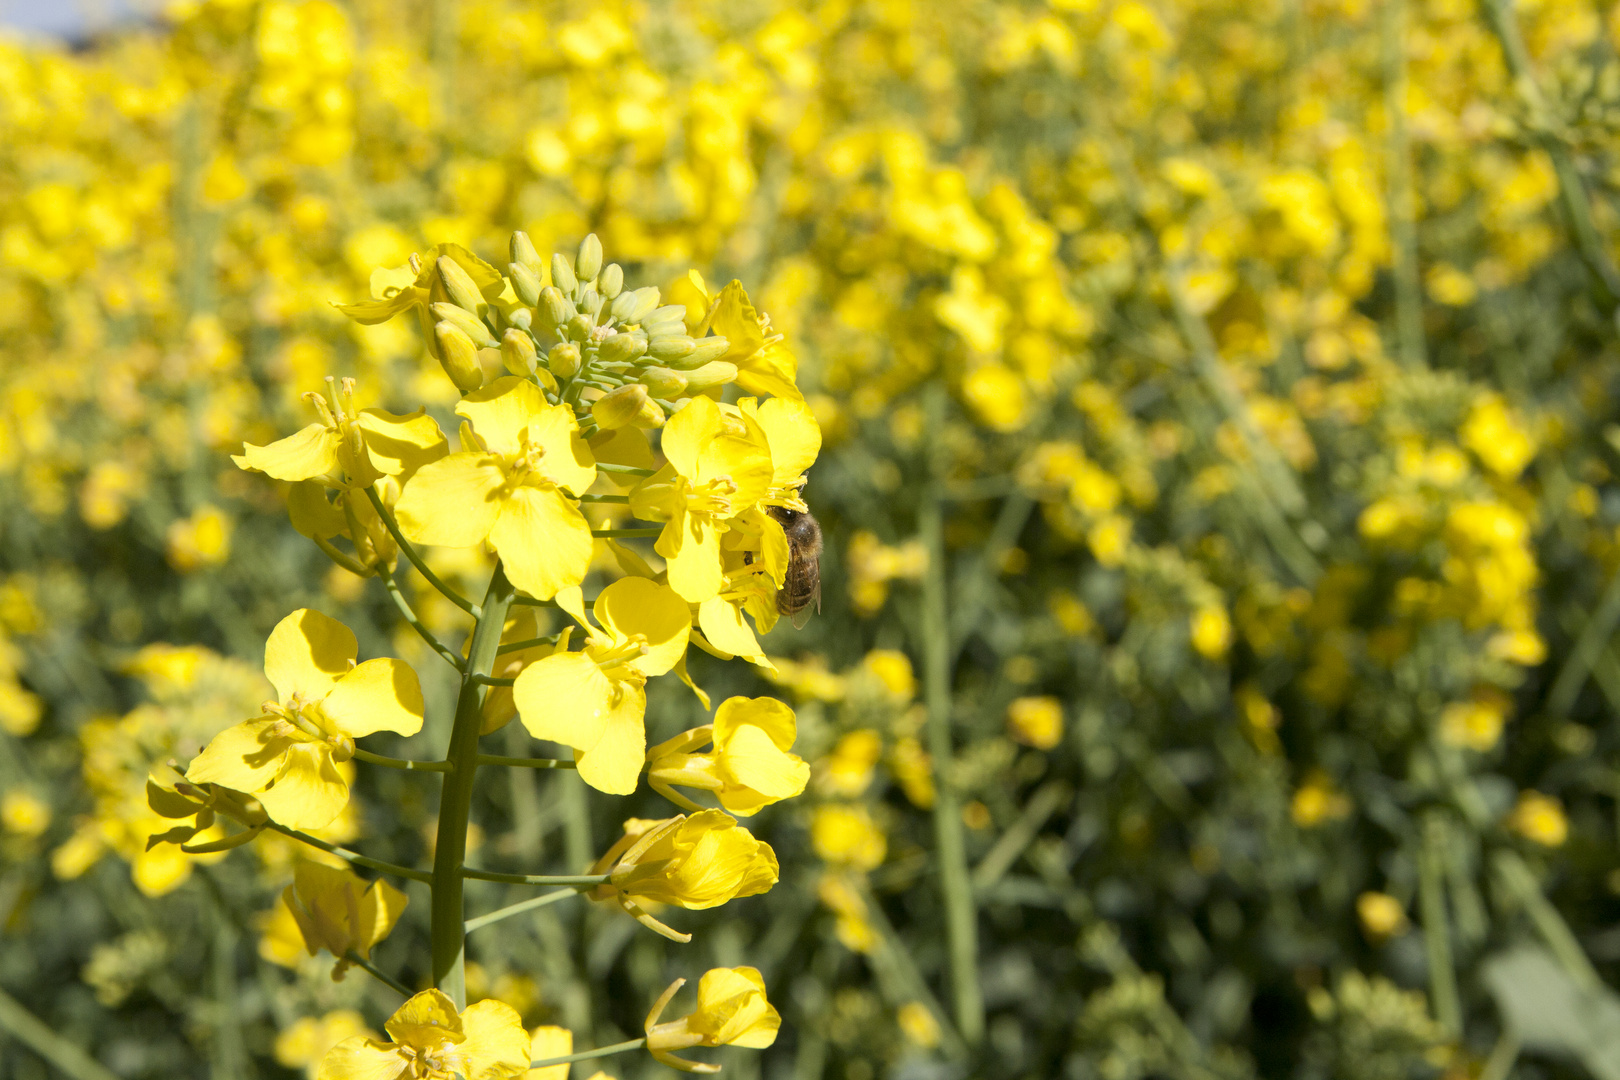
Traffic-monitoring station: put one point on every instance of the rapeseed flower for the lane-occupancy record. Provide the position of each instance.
(340, 912)
(732, 1010)
(749, 766)
(348, 447)
(486, 1041)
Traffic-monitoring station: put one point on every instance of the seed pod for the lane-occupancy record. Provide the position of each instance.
(634, 306)
(671, 349)
(621, 347)
(610, 282)
(457, 285)
(562, 275)
(661, 382)
(554, 308)
(518, 352)
(524, 255)
(525, 282)
(459, 356)
(563, 360)
(628, 406)
(714, 373)
(466, 322)
(589, 261)
(710, 348)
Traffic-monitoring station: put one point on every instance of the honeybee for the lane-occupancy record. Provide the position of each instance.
(802, 589)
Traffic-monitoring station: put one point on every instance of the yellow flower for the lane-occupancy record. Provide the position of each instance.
(1036, 721)
(1317, 801)
(694, 862)
(303, 1045)
(917, 1023)
(764, 363)
(847, 771)
(748, 768)
(731, 1011)
(348, 447)
(431, 1042)
(1539, 818)
(514, 485)
(847, 836)
(288, 756)
(1211, 631)
(1497, 436)
(1381, 915)
(545, 1043)
(794, 440)
(719, 467)
(340, 912)
(22, 813)
(1475, 724)
(594, 700)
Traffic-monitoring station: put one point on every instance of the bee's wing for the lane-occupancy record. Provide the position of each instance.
(802, 616)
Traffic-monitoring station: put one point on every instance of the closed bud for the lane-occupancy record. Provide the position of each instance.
(522, 318)
(671, 349)
(661, 382)
(554, 308)
(611, 280)
(457, 285)
(563, 360)
(710, 348)
(589, 260)
(562, 275)
(525, 282)
(459, 356)
(622, 347)
(578, 328)
(590, 302)
(634, 306)
(628, 406)
(466, 322)
(518, 352)
(714, 373)
(523, 254)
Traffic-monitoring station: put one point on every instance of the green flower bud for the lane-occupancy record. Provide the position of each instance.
(562, 275)
(634, 306)
(714, 373)
(621, 347)
(578, 328)
(589, 261)
(554, 308)
(457, 285)
(525, 282)
(518, 352)
(459, 356)
(590, 302)
(563, 360)
(524, 255)
(466, 322)
(522, 318)
(675, 313)
(710, 348)
(610, 282)
(671, 349)
(628, 406)
(661, 382)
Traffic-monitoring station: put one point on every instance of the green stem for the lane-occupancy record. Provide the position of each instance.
(519, 646)
(35, 1034)
(582, 880)
(492, 680)
(415, 623)
(622, 499)
(519, 908)
(377, 973)
(1511, 867)
(1402, 200)
(627, 470)
(527, 762)
(586, 1055)
(1593, 637)
(348, 562)
(416, 559)
(961, 929)
(455, 803)
(354, 857)
(529, 601)
(1436, 926)
(400, 763)
(626, 532)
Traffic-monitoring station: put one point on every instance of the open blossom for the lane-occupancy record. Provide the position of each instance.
(340, 912)
(287, 758)
(595, 700)
(516, 485)
(749, 765)
(732, 1010)
(348, 447)
(431, 1042)
(719, 468)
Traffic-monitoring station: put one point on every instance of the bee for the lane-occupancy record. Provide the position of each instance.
(802, 588)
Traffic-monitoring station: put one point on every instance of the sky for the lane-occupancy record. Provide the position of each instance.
(63, 18)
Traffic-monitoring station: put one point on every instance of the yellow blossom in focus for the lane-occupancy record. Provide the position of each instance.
(431, 1042)
(750, 766)
(731, 1011)
(1539, 818)
(340, 912)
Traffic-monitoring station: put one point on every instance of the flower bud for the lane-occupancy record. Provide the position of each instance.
(525, 282)
(554, 308)
(562, 275)
(458, 285)
(563, 359)
(634, 306)
(578, 328)
(710, 348)
(522, 318)
(671, 349)
(589, 261)
(459, 356)
(661, 382)
(628, 406)
(610, 283)
(714, 373)
(669, 313)
(518, 352)
(621, 347)
(466, 322)
(590, 302)
(524, 255)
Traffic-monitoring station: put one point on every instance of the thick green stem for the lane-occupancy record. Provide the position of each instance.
(1436, 925)
(961, 929)
(57, 1049)
(448, 931)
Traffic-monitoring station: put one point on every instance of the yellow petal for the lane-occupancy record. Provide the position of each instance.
(544, 541)
(379, 695)
(310, 791)
(381, 909)
(736, 320)
(768, 715)
(564, 699)
(425, 1018)
(246, 757)
(306, 654)
(623, 446)
(501, 411)
(687, 432)
(497, 1047)
(722, 623)
(401, 444)
(453, 501)
(567, 461)
(312, 515)
(613, 763)
(310, 453)
(754, 761)
(693, 556)
(745, 459)
(639, 606)
(545, 1043)
(360, 1058)
(794, 435)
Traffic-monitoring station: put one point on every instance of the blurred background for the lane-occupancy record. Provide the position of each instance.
(1240, 377)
